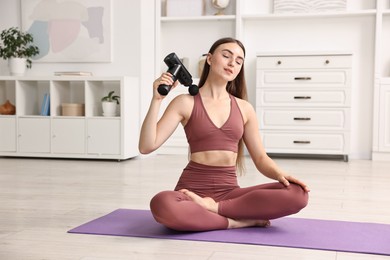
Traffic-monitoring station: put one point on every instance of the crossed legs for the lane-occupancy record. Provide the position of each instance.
(212, 206)
(253, 206)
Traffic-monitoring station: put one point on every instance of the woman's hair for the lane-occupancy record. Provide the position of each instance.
(237, 88)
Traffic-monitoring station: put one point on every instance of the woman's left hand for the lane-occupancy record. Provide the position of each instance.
(286, 179)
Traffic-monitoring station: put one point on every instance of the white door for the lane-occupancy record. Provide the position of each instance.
(68, 135)
(104, 136)
(34, 135)
(7, 134)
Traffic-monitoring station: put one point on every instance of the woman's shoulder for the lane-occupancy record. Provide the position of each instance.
(183, 98)
(182, 102)
(244, 104)
(246, 108)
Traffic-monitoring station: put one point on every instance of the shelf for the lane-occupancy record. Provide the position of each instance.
(308, 15)
(198, 18)
(29, 133)
(367, 12)
(32, 116)
(7, 116)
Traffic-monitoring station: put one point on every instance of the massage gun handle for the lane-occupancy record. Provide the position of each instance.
(164, 89)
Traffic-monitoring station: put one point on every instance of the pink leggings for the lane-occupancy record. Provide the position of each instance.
(264, 202)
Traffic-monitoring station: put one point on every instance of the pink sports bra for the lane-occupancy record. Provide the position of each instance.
(203, 135)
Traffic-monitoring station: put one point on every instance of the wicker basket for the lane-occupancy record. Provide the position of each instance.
(72, 109)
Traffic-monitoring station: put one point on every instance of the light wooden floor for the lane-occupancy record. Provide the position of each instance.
(41, 199)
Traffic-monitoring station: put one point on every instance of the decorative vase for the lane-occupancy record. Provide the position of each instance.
(109, 108)
(17, 66)
(220, 5)
(7, 108)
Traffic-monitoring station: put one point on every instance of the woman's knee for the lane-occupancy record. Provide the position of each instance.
(160, 201)
(299, 197)
(164, 205)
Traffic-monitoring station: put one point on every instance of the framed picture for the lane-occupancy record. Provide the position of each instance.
(69, 31)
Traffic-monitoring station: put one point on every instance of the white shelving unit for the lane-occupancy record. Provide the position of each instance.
(362, 30)
(92, 136)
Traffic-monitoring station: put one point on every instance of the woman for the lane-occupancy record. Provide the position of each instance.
(218, 122)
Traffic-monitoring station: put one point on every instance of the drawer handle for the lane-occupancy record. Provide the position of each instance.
(301, 142)
(302, 118)
(302, 78)
(327, 62)
(302, 97)
(279, 62)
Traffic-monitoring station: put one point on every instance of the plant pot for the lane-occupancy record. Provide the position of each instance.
(109, 108)
(17, 66)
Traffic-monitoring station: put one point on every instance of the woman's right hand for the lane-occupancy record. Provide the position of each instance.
(164, 79)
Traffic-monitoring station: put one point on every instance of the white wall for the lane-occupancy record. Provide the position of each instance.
(126, 29)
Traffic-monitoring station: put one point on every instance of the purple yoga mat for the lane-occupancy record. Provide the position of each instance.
(287, 232)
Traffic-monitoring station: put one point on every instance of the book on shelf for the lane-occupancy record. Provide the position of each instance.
(45, 108)
(72, 73)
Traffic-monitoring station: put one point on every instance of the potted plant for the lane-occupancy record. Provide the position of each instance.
(109, 104)
(17, 47)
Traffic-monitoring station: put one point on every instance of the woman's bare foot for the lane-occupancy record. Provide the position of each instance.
(247, 223)
(206, 202)
(210, 204)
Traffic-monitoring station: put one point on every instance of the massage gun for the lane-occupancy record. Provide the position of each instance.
(178, 72)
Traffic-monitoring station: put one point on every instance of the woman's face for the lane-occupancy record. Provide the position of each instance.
(226, 61)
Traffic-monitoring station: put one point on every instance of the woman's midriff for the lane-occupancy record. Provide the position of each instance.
(215, 158)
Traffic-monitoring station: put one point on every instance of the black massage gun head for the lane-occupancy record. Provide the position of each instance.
(193, 90)
(179, 72)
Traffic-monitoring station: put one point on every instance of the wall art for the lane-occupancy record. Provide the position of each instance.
(69, 31)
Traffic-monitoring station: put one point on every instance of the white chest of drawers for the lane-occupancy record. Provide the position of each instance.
(303, 103)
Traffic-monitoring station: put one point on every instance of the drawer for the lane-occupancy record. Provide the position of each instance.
(335, 119)
(303, 98)
(304, 62)
(306, 143)
(310, 78)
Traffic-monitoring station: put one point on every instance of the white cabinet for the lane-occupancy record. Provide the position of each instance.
(104, 136)
(8, 134)
(91, 135)
(68, 135)
(303, 103)
(34, 135)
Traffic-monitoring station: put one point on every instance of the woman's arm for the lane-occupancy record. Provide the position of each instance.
(155, 132)
(257, 152)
